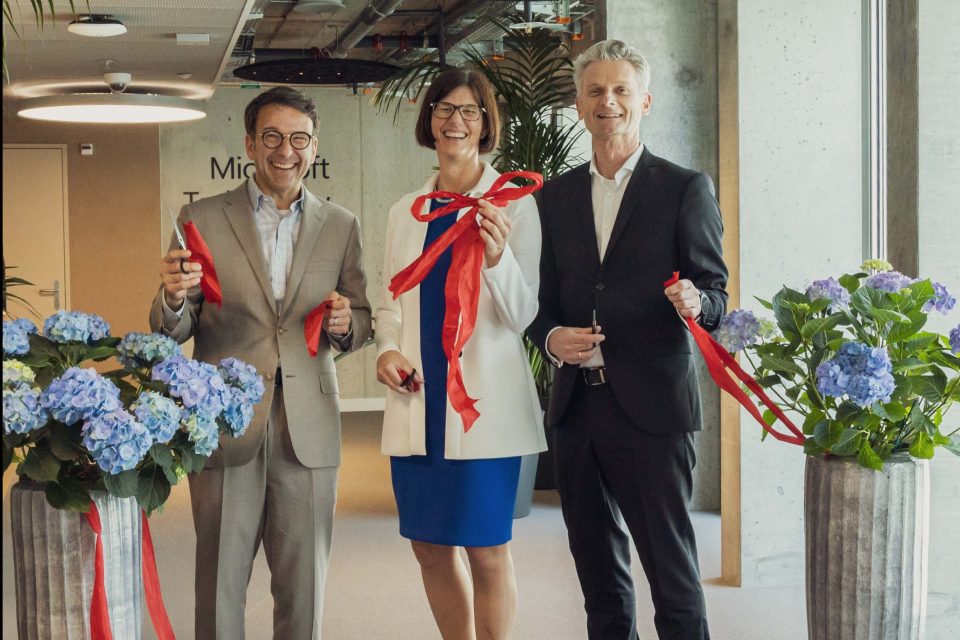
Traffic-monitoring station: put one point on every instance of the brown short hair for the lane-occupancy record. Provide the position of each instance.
(284, 96)
(446, 82)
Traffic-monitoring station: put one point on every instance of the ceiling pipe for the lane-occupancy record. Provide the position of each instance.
(360, 26)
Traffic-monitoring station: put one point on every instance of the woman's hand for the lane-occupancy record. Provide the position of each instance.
(396, 372)
(494, 229)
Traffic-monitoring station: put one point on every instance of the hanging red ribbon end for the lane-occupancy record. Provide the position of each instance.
(313, 326)
(200, 252)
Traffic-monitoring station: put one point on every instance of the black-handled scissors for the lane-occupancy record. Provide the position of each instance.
(408, 382)
(180, 240)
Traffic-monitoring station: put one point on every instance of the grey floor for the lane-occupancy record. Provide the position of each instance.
(374, 589)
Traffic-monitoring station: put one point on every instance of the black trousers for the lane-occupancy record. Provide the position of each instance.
(611, 473)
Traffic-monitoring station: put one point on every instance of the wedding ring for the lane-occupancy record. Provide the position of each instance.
(579, 355)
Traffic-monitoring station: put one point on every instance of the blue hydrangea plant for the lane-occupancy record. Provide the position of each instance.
(851, 357)
(134, 431)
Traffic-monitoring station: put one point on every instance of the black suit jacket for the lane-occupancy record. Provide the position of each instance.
(669, 221)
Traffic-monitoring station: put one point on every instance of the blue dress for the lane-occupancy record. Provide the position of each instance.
(466, 503)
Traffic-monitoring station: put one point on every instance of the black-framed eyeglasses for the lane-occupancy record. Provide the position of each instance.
(299, 140)
(445, 110)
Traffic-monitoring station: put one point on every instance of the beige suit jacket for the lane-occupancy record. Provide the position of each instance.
(327, 257)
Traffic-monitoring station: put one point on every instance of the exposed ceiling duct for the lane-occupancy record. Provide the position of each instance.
(360, 26)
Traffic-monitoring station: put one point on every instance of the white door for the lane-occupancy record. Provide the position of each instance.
(35, 239)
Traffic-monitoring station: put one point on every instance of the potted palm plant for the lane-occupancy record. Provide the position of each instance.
(533, 81)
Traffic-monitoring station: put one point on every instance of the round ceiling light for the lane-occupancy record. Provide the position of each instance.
(317, 6)
(97, 26)
(111, 108)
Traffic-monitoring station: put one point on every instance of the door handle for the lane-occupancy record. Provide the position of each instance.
(55, 292)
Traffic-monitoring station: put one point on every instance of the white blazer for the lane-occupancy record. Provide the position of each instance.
(495, 368)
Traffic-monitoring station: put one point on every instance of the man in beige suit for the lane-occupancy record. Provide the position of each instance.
(279, 251)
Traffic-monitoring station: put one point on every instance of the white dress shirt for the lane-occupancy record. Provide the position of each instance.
(607, 195)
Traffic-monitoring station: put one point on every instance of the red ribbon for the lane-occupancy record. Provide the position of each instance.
(719, 361)
(200, 252)
(462, 290)
(313, 326)
(99, 613)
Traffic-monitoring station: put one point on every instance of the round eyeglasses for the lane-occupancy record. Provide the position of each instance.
(445, 110)
(299, 140)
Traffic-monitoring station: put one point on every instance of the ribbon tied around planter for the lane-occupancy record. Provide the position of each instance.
(99, 611)
(719, 361)
(462, 290)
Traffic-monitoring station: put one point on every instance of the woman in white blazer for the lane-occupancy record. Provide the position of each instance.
(455, 488)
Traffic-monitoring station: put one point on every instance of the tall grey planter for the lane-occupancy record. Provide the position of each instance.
(866, 548)
(53, 553)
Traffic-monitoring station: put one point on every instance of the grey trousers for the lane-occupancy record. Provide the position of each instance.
(275, 500)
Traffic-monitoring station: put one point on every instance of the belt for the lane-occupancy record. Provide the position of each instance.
(278, 379)
(595, 376)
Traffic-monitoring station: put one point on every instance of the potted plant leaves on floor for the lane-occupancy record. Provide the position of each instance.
(533, 81)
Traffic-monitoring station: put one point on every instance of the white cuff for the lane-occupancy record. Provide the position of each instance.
(556, 362)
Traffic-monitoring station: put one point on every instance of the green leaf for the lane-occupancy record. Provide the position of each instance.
(849, 282)
(122, 485)
(64, 442)
(929, 387)
(153, 488)
(783, 365)
(826, 433)
(893, 411)
(40, 465)
(847, 443)
(887, 315)
(922, 446)
(811, 448)
(867, 457)
(67, 494)
(954, 445)
(816, 325)
(190, 461)
(901, 332)
(764, 303)
(910, 364)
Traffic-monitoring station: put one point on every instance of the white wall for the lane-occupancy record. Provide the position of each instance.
(365, 163)
(800, 219)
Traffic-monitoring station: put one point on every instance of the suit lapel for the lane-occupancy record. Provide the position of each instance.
(631, 199)
(311, 222)
(582, 203)
(239, 214)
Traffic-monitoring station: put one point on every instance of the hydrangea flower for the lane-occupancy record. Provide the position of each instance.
(16, 336)
(239, 412)
(737, 330)
(942, 301)
(197, 384)
(75, 326)
(892, 281)
(80, 394)
(22, 412)
(143, 350)
(244, 376)
(955, 340)
(876, 265)
(768, 329)
(859, 371)
(832, 290)
(159, 414)
(203, 432)
(15, 372)
(116, 441)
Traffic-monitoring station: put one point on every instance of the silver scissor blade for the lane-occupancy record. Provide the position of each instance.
(176, 229)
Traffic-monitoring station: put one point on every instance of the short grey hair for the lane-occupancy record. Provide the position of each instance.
(612, 50)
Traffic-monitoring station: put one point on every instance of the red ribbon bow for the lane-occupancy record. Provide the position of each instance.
(200, 252)
(313, 326)
(462, 290)
(99, 613)
(719, 360)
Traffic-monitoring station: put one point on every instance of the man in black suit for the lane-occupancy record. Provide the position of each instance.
(625, 398)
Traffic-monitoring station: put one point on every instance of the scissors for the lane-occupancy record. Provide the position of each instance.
(180, 240)
(408, 382)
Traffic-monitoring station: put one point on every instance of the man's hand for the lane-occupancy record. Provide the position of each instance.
(178, 275)
(338, 320)
(574, 345)
(685, 298)
(393, 369)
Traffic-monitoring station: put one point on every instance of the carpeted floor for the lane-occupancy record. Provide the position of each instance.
(374, 589)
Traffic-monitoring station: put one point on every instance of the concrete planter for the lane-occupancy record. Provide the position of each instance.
(53, 553)
(866, 548)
